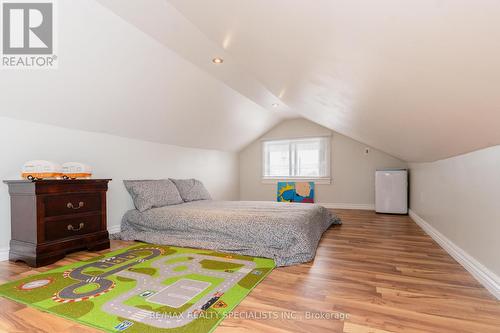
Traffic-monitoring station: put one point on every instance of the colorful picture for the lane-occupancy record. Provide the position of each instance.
(296, 192)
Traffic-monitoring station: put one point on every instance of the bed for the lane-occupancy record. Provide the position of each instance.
(286, 232)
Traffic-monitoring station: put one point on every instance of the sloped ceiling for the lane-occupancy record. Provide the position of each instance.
(113, 78)
(418, 79)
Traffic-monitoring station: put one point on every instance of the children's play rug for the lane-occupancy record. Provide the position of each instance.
(145, 288)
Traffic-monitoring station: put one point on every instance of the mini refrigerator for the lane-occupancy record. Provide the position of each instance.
(391, 191)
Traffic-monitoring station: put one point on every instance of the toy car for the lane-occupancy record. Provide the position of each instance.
(40, 169)
(74, 170)
(211, 301)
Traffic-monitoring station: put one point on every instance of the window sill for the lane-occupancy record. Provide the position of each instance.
(319, 181)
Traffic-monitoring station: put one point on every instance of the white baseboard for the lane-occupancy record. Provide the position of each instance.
(482, 274)
(4, 254)
(114, 229)
(347, 206)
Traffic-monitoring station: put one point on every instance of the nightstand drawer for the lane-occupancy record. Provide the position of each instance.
(72, 203)
(71, 227)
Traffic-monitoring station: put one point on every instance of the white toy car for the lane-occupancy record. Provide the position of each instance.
(74, 170)
(40, 169)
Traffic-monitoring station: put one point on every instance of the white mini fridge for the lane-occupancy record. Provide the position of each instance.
(391, 191)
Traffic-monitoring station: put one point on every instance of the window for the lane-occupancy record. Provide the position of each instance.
(306, 159)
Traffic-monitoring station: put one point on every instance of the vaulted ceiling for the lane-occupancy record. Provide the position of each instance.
(418, 79)
(114, 78)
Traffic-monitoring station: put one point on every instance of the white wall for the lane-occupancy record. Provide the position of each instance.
(460, 198)
(353, 171)
(111, 157)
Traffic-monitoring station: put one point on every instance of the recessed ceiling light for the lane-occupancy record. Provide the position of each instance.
(217, 60)
(275, 105)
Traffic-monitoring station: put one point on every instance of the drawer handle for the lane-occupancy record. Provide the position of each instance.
(80, 205)
(80, 227)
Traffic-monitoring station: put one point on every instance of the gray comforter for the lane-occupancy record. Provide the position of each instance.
(286, 232)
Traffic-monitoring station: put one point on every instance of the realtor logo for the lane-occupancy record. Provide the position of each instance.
(28, 34)
(27, 28)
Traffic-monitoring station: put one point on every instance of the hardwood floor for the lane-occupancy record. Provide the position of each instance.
(382, 271)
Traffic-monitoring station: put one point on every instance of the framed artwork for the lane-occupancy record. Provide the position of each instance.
(295, 192)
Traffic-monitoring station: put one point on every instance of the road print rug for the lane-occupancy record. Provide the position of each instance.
(145, 288)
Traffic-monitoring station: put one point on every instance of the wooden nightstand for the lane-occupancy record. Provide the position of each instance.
(50, 218)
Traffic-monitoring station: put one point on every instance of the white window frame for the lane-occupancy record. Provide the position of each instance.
(317, 180)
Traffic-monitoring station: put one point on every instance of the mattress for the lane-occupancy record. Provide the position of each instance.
(289, 233)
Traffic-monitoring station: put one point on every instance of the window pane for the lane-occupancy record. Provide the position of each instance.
(278, 159)
(308, 159)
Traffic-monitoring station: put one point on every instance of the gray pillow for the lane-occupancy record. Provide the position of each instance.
(191, 189)
(152, 193)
